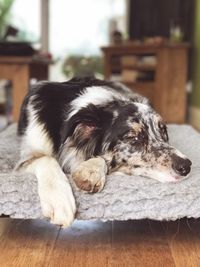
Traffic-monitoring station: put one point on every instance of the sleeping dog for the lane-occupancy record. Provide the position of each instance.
(90, 128)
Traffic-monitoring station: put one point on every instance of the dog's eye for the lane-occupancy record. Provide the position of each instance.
(163, 131)
(140, 137)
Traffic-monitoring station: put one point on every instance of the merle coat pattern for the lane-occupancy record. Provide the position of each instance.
(88, 128)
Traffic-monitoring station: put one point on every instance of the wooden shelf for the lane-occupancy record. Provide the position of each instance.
(137, 67)
(140, 67)
(141, 84)
(127, 48)
(166, 80)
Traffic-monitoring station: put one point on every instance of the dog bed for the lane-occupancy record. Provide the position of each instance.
(124, 197)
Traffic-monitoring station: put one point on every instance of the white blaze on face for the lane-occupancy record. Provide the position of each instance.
(95, 95)
(179, 154)
(144, 110)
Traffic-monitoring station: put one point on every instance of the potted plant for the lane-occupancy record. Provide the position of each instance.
(5, 7)
(79, 65)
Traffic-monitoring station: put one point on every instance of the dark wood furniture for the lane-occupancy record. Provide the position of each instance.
(167, 89)
(19, 70)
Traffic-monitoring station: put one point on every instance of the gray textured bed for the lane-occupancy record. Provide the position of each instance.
(124, 197)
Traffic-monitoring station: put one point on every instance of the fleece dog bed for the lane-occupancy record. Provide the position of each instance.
(124, 197)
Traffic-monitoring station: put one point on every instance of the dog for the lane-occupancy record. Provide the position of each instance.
(89, 128)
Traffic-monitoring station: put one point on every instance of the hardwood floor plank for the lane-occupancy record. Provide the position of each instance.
(84, 244)
(140, 243)
(26, 243)
(97, 244)
(184, 241)
(4, 226)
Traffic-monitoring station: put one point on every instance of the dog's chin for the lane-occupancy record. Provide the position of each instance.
(161, 176)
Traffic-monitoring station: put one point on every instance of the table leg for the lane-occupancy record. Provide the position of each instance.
(20, 83)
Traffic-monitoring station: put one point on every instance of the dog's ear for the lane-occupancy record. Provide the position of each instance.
(84, 135)
(79, 130)
(85, 130)
(83, 125)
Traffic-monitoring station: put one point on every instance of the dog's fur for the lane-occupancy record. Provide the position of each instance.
(89, 127)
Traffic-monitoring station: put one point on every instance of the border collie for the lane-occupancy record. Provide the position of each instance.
(89, 128)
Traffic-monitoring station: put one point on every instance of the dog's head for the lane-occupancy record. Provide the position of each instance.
(144, 149)
(130, 136)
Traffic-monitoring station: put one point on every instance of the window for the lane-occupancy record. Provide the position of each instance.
(25, 16)
(81, 26)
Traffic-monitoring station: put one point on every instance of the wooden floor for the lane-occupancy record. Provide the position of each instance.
(134, 243)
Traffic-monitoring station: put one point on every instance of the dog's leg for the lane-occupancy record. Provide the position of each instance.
(91, 175)
(57, 200)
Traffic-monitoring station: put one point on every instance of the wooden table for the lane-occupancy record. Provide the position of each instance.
(19, 70)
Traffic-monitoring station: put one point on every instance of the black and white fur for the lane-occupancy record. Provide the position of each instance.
(89, 128)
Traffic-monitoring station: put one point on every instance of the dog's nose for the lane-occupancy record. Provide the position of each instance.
(181, 166)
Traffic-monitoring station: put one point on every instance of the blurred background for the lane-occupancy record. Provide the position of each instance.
(152, 46)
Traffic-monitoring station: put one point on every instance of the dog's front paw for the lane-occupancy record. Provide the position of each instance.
(90, 175)
(58, 203)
